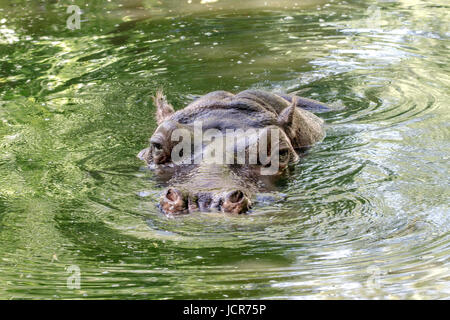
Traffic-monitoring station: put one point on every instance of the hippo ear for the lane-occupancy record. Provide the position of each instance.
(302, 127)
(286, 117)
(290, 122)
(163, 109)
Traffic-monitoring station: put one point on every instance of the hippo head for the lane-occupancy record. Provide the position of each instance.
(220, 150)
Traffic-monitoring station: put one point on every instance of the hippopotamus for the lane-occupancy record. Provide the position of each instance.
(205, 174)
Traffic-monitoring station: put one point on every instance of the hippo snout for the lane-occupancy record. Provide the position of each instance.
(175, 201)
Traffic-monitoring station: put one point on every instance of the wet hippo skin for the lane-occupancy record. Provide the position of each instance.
(283, 120)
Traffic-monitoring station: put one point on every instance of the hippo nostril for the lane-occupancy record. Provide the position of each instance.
(236, 202)
(235, 196)
(174, 202)
(173, 195)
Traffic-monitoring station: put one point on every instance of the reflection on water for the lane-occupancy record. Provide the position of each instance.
(364, 215)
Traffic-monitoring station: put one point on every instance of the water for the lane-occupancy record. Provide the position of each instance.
(364, 215)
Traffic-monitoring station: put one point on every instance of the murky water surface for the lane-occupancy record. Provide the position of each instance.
(364, 215)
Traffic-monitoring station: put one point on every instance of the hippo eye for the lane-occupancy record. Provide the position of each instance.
(284, 155)
(159, 156)
(156, 146)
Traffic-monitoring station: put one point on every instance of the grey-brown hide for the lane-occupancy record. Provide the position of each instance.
(225, 187)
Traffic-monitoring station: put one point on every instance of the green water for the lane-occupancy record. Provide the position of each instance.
(365, 215)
